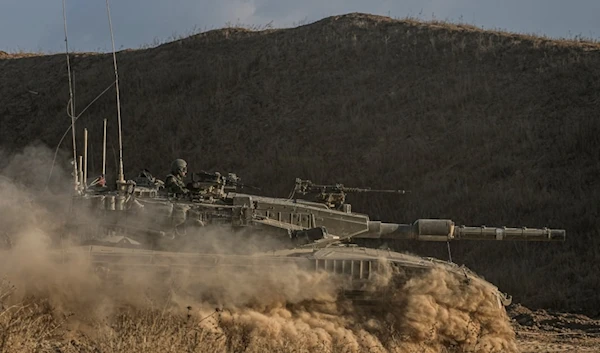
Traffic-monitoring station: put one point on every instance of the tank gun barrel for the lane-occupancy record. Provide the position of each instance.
(446, 230)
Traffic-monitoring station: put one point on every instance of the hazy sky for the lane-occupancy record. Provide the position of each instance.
(34, 25)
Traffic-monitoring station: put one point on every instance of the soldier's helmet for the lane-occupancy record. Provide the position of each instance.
(179, 166)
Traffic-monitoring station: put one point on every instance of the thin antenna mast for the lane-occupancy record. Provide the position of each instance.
(74, 93)
(71, 113)
(104, 152)
(85, 159)
(121, 175)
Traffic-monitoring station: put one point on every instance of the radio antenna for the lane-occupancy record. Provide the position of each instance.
(121, 175)
(70, 109)
(104, 152)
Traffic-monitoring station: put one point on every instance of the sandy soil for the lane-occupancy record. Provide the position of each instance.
(543, 331)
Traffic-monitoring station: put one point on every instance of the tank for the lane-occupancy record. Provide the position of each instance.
(312, 216)
(137, 224)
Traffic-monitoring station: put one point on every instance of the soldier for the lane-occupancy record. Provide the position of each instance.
(174, 182)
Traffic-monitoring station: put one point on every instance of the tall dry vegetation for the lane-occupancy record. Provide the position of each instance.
(484, 127)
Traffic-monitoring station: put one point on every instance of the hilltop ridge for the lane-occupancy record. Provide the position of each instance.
(485, 127)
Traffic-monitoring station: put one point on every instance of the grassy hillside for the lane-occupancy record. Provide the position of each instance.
(484, 127)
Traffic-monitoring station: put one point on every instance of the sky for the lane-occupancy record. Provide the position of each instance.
(37, 25)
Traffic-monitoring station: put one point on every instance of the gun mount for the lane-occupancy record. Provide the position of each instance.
(212, 185)
(333, 195)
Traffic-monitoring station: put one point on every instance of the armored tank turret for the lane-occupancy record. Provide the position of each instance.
(143, 210)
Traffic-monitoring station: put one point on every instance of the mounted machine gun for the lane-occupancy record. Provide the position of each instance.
(215, 185)
(333, 195)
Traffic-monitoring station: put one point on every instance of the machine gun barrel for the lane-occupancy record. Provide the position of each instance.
(445, 230)
(357, 190)
(306, 186)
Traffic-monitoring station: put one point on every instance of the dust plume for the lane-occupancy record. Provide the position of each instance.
(49, 303)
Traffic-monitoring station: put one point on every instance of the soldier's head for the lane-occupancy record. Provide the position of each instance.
(179, 167)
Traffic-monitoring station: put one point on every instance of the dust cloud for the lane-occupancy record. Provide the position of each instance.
(48, 303)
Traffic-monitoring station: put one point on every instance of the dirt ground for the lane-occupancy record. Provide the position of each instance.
(542, 331)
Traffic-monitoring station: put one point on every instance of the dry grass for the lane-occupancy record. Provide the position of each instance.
(485, 127)
(417, 316)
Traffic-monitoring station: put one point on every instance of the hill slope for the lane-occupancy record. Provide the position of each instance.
(484, 127)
